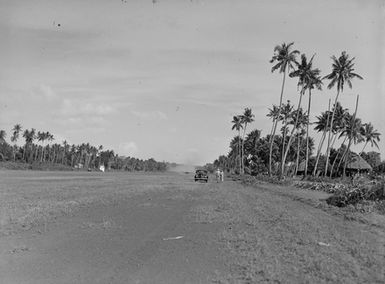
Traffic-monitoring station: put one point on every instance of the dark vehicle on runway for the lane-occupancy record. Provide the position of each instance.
(201, 175)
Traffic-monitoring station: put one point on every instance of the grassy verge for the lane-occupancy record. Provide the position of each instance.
(33, 198)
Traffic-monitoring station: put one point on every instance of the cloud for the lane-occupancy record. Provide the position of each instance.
(150, 114)
(84, 115)
(47, 91)
(128, 148)
(79, 108)
(43, 91)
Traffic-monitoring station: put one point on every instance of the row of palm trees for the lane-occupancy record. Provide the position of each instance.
(39, 147)
(240, 122)
(336, 124)
(309, 78)
(346, 128)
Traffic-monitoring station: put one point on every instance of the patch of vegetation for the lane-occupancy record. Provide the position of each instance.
(40, 153)
(356, 194)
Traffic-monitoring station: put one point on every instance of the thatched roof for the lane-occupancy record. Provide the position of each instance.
(358, 163)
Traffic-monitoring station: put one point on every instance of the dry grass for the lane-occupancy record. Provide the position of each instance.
(105, 224)
(278, 235)
(31, 198)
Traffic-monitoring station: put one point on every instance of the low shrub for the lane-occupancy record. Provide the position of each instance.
(355, 194)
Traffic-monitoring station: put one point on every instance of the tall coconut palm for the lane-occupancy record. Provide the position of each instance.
(237, 125)
(298, 120)
(323, 124)
(307, 79)
(29, 136)
(274, 114)
(285, 116)
(314, 82)
(50, 138)
(342, 73)
(15, 136)
(246, 118)
(3, 135)
(41, 138)
(340, 121)
(353, 132)
(284, 59)
(65, 151)
(300, 133)
(370, 135)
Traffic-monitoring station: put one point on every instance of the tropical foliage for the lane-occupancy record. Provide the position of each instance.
(39, 147)
(290, 150)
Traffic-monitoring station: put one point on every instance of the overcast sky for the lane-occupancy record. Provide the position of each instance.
(164, 80)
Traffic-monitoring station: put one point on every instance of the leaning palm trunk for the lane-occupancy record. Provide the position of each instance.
(321, 142)
(291, 134)
(307, 134)
(335, 159)
(334, 138)
(297, 159)
(243, 151)
(342, 158)
(346, 157)
(286, 123)
(351, 138)
(275, 124)
(14, 153)
(239, 151)
(23, 153)
(319, 152)
(366, 143)
(330, 132)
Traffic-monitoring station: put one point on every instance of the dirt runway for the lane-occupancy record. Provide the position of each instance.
(200, 233)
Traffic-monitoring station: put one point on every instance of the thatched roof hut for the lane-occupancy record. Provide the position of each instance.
(357, 163)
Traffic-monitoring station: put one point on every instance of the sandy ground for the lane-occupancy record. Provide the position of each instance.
(186, 232)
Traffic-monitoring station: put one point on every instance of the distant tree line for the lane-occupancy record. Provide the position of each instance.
(39, 148)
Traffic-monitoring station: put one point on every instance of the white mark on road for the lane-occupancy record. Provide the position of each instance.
(173, 238)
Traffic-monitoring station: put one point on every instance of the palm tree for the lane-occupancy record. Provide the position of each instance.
(353, 132)
(3, 135)
(65, 150)
(100, 149)
(50, 138)
(300, 133)
(340, 122)
(342, 72)
(284, 60)
(237, 125)
(286, 114)
(314, 82)
(370, 135)
(246, 118)
(29, 136)
(15, 136)
(307, 77)
(274, 114)
(323, 124)
(41, 138)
